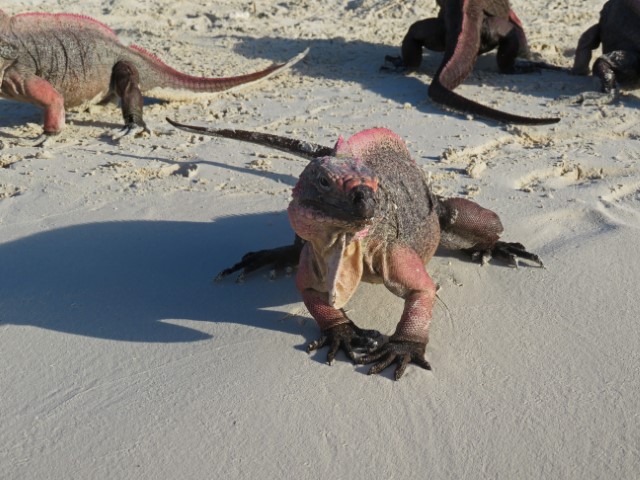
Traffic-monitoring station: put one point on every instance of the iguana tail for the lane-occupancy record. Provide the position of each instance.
(159, 80)
(440, 94)
(300, 148)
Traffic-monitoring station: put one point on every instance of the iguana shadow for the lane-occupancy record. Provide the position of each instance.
(138, 280)
(15, 114)
(360, 62)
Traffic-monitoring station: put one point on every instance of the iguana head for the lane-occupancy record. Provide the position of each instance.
(333, 194)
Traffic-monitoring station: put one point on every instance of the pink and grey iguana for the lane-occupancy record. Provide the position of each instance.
(463, 30)
(63, 61)
(619, 32)
(364, 211)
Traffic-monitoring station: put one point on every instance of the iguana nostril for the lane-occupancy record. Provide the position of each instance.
(363, 201)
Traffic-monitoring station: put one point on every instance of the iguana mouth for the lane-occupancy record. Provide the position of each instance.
(356, 207)
(310, 222)
(323, 213)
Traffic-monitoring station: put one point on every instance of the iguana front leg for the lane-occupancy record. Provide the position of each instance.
(324, 291)
(125, 82)
(619, 66)
(429, 34)
(603, 68)
(405, 276)
(589, 41)
(40, 92)
(32, 89)
(338, 331)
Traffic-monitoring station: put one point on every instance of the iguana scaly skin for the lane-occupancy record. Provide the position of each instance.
(463, 30)
(64, 61)
(619, 65)
(365, 212)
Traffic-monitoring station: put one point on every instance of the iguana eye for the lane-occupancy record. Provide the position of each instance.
(324, 182)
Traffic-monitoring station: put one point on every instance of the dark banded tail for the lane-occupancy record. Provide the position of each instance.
(300, 148)
(440, 94)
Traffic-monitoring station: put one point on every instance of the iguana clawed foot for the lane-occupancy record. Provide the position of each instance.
(393, 64)
(349, 338)
(533, 66)
(591, 98)
(508, 251)
(42, 140)
(402, 352)
(278, 259)
(131, 130)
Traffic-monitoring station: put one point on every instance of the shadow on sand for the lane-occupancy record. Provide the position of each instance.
(121, 280)
(360, 62)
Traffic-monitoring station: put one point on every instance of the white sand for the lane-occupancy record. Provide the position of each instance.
(121, 359)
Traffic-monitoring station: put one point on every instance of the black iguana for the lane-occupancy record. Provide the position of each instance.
(618, 30)
(463, 30)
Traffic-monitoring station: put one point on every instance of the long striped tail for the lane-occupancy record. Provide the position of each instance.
(164, 82)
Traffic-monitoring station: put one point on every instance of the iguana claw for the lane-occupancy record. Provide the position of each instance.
(591, 98)
(534, 66)
(402, 352)
(280, 258)
(348, 337)
(130, 130)
(508, 251)
(393, 64)
(42, 140)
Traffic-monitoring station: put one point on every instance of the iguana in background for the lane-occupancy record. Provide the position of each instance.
(63, 61)
(463, 30)
(363, 210)
(619, 32)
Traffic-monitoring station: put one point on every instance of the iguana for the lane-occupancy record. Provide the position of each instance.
(618, 31)
(364, 210)
(462, 30)
(63, 61)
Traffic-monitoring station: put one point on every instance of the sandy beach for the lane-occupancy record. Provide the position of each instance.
(122, 359)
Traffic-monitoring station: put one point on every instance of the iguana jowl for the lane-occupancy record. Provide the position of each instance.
(366, 213)
(64, 61)
(618, 30)
(463, 30)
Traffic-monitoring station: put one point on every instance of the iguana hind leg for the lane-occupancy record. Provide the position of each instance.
(466, 226)
(512, 43)
(125, 82)
(279, 258)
